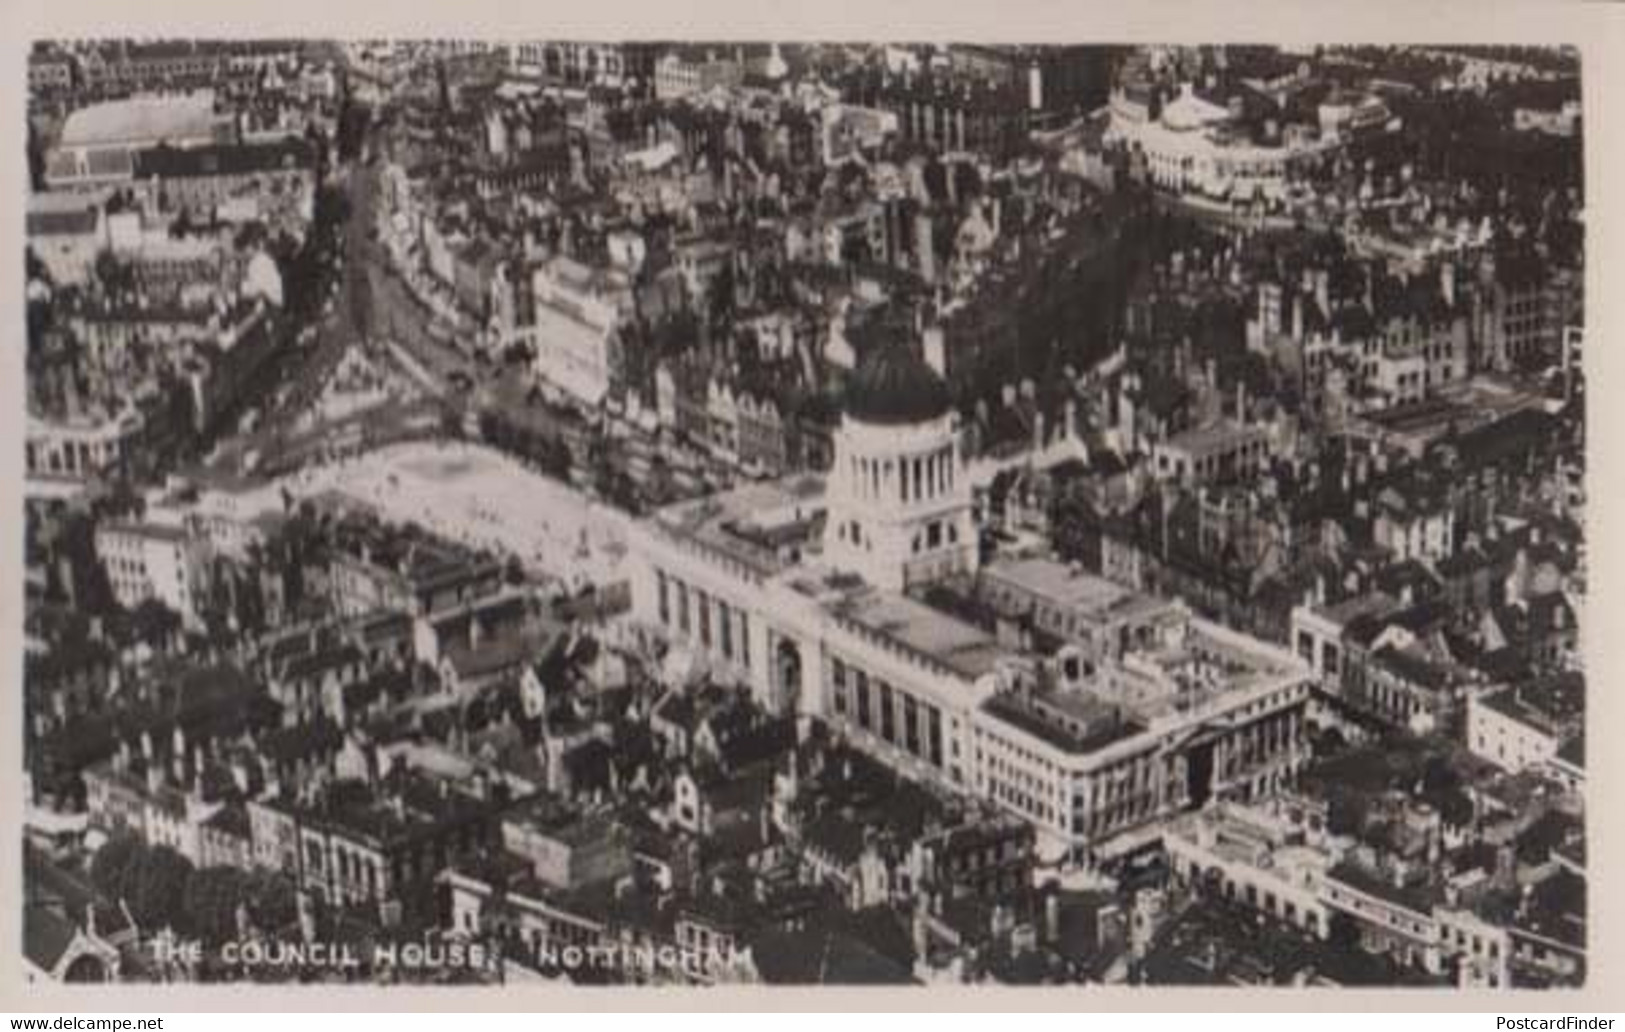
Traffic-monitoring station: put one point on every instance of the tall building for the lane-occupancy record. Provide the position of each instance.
(899, 508)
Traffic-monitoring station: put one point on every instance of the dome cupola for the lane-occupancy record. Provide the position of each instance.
(893, 386)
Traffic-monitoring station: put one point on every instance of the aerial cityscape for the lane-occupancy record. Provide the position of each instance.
(510, 513)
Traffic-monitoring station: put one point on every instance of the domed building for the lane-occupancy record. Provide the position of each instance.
(899, 507)
(800, 589)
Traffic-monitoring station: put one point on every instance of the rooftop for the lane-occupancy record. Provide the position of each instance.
(1207, 440)
(1413, 896)
(928, 633)
(1550, 704)
(1060, 582)
(1077, 722)
(893, 385)
(756, 525)
(169, 162)
(142, 120)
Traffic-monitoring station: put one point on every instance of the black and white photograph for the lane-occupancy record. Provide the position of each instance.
(507, 512)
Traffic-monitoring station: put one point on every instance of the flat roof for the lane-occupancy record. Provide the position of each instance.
(930, 633)
(157, 531)
(141, 119)
(1548, 704)
(744, 524)
(1102, 723)
(1215, 437)
(1060, 582)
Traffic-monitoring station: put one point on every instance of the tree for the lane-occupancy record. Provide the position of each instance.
(1346, 814)
(720, 303)
(155, 624)
(353, 121)
(514, 571)
(1075, 528)
(1343, 932)
(157, 897)
(36, 159)
(556, 459)
(117, 278)
(110, 867)
(271, 900)
(211, 898)
(33, 267)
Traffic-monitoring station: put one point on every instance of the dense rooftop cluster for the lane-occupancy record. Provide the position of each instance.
(702, 513)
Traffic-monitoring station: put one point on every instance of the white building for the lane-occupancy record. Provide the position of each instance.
(899, 506)
(81, 446)
(850, 599)
(677, 75)
(1525, 725)
(1192, 147)
(66, 232)
(579, 314)
(151, 561)
(1254, 857)
(1225, 451)
(98, 143)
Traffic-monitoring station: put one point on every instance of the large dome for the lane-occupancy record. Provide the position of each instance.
(892, 385)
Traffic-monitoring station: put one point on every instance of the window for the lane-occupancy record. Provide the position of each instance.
(663, 586)
(864, 720)
(888, 714)
(703, 601)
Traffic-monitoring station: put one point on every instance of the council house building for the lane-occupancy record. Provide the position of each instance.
(859, 597)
